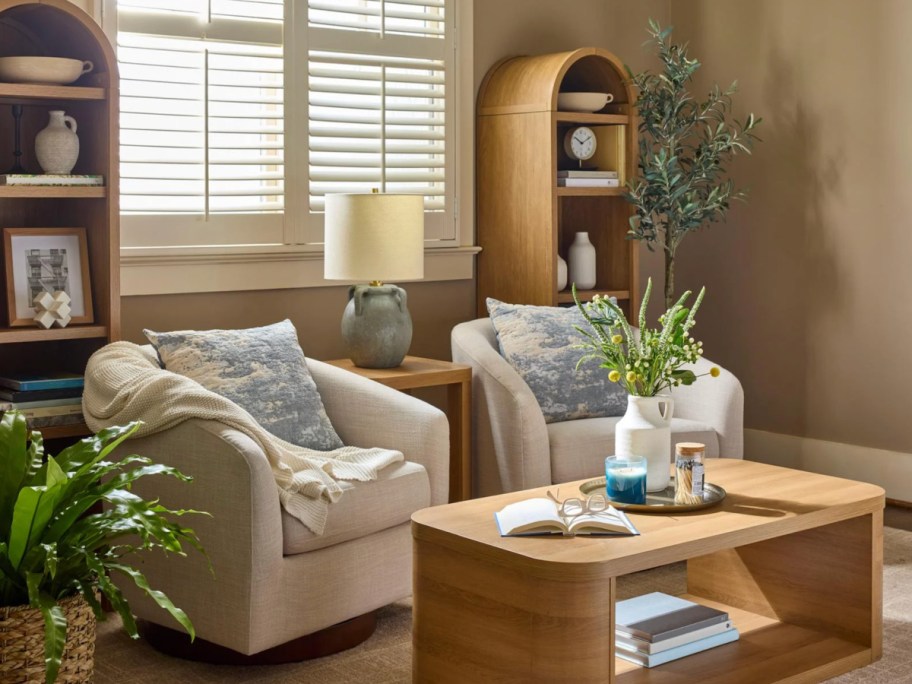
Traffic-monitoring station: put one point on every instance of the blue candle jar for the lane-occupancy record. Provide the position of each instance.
(625, 479)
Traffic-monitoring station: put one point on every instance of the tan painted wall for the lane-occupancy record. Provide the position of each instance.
(809, 285)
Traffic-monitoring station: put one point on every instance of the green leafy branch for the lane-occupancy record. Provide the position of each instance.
(685, 146)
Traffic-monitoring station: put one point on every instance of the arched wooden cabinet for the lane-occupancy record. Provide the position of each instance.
(57, 28)
(524, 218)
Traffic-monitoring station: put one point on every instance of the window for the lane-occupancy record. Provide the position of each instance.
(226, 103)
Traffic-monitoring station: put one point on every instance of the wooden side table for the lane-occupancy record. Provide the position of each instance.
(416, 372)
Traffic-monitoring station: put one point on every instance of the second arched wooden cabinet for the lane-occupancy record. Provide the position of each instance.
(524, 218)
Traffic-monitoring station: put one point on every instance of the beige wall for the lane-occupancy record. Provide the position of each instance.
(809, 285)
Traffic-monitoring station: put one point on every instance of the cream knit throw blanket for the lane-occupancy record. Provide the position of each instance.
(124, 382)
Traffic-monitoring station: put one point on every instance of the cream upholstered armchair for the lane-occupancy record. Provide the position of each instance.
(513, 447)
(275, 581)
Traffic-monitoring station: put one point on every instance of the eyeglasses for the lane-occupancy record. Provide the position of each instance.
(575, 506)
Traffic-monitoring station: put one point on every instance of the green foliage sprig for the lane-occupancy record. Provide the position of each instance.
(685, 146)
(647, 363)
(54, 543)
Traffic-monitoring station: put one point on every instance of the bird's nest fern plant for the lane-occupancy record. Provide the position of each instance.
(57, 541)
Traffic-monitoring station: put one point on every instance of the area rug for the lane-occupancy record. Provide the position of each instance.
(385, 658)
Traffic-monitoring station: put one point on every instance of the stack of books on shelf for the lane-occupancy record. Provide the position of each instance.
(49, 400)
(583, 178)
(656, 628)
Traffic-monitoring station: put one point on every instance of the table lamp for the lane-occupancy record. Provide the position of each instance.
(375, 237)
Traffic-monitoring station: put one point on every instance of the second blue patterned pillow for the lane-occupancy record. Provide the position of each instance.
(540, 343)
(262, 370)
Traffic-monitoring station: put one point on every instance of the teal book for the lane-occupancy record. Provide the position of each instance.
(655, 659)
(27, 383)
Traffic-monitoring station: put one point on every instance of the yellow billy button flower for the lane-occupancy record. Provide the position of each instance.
(614, 376)
(617, 339)
(631, 376)
(715, 372)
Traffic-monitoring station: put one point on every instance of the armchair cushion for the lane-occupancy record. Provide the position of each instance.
(540, 343)
(262, 370)
(366, 508)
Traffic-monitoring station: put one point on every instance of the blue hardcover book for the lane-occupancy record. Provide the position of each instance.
(655, 659)
(656, 617)
(27, 383)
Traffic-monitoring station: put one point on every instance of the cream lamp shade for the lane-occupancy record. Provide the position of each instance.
(374, 237)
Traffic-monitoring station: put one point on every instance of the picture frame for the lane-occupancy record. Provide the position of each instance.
(50, 259)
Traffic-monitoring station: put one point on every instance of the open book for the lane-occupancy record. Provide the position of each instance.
(542, 516)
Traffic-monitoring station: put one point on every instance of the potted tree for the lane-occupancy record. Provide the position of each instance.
(685, 146)
(58, 549)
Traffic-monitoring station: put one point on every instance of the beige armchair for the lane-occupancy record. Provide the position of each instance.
(275, 581)
(513, 447)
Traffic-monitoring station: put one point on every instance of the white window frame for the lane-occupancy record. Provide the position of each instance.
(298, 262)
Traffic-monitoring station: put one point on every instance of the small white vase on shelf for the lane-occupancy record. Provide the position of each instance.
(582, 262)
(561, 273)
(57, 145)
(645, 430)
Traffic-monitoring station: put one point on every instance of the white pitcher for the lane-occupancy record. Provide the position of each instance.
(645, 430)
(57, 145)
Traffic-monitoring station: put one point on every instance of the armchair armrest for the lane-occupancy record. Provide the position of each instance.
(368, 414)
(242, 534)
(510, 437)
(718, 402)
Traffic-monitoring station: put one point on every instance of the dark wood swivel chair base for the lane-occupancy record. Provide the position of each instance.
(327, 641)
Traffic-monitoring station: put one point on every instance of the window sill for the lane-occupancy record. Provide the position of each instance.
(149, 271)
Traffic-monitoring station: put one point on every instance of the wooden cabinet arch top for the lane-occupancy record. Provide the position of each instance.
(531, 83)
(57, 28)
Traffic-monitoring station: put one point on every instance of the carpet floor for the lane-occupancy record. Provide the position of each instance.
(385, 658)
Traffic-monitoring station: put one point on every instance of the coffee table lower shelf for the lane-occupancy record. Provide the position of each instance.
(768, 651)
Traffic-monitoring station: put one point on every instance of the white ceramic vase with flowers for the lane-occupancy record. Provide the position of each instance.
(646, 363)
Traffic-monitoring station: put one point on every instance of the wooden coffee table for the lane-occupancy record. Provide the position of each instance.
(796, 559)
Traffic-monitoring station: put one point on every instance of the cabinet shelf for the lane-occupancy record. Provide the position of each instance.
(589, 118)
(65, 431)
(52, 191)
(588, 192)
(31, 91)
(74, 332)
(566, 296)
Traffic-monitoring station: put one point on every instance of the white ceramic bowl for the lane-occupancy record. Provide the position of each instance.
(582, 102)
(45, 70)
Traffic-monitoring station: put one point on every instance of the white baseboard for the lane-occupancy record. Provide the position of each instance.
(891, 470)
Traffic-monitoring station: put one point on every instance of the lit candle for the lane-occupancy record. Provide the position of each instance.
(625, 479)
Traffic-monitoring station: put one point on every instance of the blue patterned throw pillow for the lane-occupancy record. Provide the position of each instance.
(262, 370)
(539, 342)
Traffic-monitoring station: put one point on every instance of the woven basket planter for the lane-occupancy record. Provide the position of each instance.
(22, 644)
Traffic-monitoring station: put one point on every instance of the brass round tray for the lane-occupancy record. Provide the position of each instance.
(659, 502)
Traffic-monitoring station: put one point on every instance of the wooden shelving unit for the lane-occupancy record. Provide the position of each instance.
(524, 219)
(63, 30)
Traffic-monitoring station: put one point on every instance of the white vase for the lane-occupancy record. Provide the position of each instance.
(561, 273)
(582, 262)
(645, 430)
(57, 145)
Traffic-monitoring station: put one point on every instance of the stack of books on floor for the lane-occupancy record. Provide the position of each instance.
(49, 400)
(656, 628)
(582, 178)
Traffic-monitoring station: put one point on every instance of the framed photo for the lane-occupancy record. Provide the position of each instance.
(46, 259)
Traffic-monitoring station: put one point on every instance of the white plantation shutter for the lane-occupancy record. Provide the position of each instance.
(225, 103)
(378, 104)
(202, 121)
